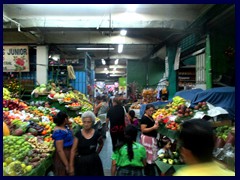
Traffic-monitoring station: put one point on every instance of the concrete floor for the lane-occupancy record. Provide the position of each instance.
(106, 154)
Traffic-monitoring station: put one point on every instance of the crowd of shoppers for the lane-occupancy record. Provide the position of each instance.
(78, 154)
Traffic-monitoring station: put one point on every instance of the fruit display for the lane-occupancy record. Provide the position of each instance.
(201, 106)
(6, 94)
(172, 158)
(15, 148)
(13, 85)
(149, 95)
(223, 131)
(14, 104)
(78, 120)
(184, 111)
(172, 125)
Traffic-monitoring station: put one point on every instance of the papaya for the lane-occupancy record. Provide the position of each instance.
(6, 131)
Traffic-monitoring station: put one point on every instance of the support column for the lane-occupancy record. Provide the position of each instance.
(208, 64)
(42, 65)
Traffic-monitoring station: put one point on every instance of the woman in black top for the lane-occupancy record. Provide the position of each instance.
(148, 138)
(115, 116)
(88, 143)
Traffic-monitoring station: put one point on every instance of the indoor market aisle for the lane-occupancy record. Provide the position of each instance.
(106, 154)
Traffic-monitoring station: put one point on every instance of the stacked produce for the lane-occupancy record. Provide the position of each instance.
(13, 85)
(15, 151)
(201, 106)
(6, 94)
(172, 158)
(149, 95)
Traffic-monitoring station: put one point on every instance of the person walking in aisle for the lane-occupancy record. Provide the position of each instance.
(63, 141)
(115, 116)
(196, 142)
(88, 143)
(130, 158)
(148, 139)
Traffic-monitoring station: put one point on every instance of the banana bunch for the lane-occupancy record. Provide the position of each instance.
(41, 147)
(6, 94)
(71, 73)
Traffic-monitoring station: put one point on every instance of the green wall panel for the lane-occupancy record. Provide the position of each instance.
(171, 53)
(139, 70)
(136, 72)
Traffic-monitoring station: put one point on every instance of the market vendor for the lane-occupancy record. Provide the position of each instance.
(148, 139)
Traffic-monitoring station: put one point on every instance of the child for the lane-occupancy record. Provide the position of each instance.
(165, 145)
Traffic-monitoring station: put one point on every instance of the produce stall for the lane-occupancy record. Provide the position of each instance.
(179, 110)
(27, 131)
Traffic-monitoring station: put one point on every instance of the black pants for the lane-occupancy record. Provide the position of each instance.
(149, 170)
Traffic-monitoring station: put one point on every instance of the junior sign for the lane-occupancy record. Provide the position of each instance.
(15, 59)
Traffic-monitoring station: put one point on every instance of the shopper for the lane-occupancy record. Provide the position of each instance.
(63, 140)
(101, 106)
(132, 118)
(165, 146)
(84, 158)
(148, 139)
(115, 117)
(129, 159)
(196, 141)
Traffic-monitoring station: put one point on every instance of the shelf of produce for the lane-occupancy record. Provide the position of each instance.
(42, 168)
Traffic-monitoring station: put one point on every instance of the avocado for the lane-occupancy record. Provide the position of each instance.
(176, 161)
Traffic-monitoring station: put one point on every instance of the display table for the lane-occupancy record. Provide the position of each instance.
(165, 167)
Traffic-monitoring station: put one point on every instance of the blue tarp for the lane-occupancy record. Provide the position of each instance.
(188, 94)
(223, 97)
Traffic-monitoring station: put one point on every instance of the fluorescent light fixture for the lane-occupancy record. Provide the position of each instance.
(132, 7)
(97, 49)
(116, 62)
(120, 48)
(103, 62)
(123, 32)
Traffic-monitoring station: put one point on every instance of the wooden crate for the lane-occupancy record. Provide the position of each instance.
(222, 123)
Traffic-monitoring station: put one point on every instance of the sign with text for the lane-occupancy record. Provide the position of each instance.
(15, 59)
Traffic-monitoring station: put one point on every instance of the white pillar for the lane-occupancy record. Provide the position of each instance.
(42, 64)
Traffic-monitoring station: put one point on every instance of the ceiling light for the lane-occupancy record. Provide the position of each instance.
(123, 32)
(116, 62)
(97, 49)
(132, 7)
(120, 48)
(103, 62)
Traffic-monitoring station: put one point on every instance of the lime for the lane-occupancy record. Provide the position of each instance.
(23, 165)
(28, 168)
